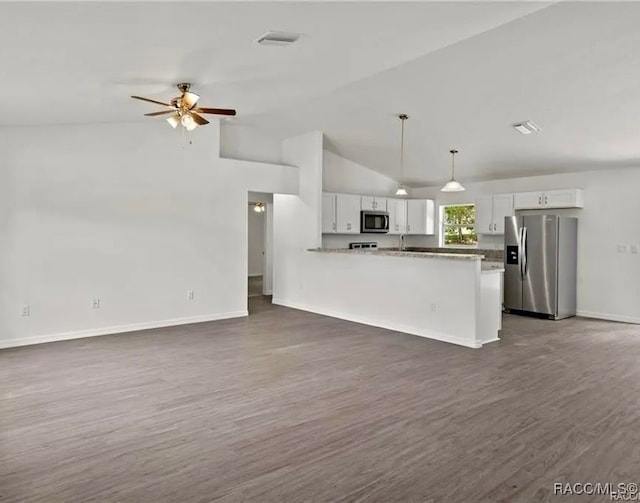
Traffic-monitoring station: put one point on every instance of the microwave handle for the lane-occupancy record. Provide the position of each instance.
(386, 225)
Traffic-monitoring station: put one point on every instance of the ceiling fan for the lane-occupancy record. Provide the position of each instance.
(184, 110)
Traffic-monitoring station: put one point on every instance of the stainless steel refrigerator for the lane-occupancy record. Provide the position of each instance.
(540, 262)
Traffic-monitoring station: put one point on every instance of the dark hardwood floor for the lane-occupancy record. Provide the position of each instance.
(291, 406)
(254, 286)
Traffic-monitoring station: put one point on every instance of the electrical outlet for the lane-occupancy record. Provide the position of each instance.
(95, 304)
(26, 310)
(190, 295)
(622, 248)
(434, 307)
(634, 249)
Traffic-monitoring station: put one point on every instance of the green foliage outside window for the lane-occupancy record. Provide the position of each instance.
(459, 225)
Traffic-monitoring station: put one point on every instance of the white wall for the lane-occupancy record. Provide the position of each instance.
(396, 293)
(241, 141)
(256, 237)
(297, 218)
(126, 213)
(608, 284)
(342, 175)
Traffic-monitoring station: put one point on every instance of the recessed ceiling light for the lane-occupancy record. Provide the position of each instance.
(526, 127)
(277, 38)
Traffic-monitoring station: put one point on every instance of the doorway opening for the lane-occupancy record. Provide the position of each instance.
(260, 239)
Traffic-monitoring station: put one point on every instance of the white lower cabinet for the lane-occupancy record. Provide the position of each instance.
(420, 216)
(397, 209)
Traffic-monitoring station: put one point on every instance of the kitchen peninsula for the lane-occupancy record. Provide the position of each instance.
(451, 297)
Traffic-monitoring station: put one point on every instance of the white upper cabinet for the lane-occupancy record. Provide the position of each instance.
(490, 213)
(484, 215)
(502, 207)
(522, 200)
(561, 198)
(341, 214)
(397, 209)
(347, 214)
(571, 198)
(420, 216)
(374, 203)
(329, 223)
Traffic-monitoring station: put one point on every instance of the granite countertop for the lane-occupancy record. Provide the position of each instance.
(489, 254)
(397, 253)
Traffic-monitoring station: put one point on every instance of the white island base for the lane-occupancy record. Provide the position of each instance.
(448, 297)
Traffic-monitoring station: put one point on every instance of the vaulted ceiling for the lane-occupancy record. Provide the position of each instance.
(463, 71)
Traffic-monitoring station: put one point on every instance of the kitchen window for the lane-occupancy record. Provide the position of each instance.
(458, 225)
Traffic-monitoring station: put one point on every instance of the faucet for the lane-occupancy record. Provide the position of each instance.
(401, 247)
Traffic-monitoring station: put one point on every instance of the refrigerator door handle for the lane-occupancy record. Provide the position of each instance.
(524, 252)
(520, 251)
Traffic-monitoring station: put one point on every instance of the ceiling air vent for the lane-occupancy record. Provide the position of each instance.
(278, 38)
(526, 127)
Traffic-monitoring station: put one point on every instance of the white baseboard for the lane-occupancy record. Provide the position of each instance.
(118, 329)
(408, 329)
(609, 317)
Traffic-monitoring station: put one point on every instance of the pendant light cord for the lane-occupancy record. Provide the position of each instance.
(453, 155)
(403, 117)
(402, 149)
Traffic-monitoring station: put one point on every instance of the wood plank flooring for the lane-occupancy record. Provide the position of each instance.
(291, 406)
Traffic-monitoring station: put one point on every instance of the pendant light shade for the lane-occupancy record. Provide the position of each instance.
(402, 190)
(452, 185)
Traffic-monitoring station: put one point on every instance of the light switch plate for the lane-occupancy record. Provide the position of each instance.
(634, 249)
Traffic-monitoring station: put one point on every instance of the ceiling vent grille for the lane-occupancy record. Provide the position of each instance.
(526, 127)
(277, 38)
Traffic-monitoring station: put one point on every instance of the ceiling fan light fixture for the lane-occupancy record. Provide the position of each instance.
(189, 100)
(188, 122)
(452, 185)
(174, 120)
(184, 109)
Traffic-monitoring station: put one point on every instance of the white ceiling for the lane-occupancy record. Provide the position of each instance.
(463, 71)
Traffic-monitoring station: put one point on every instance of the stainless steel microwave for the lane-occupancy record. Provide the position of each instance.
(374, 222)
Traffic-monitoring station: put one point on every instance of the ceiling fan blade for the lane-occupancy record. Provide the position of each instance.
(201, 121)
(189, 100)
(217, 111)
(151, 101)
(153, 114)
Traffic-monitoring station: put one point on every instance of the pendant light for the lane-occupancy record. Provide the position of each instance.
(452, 185)
(402, 191)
